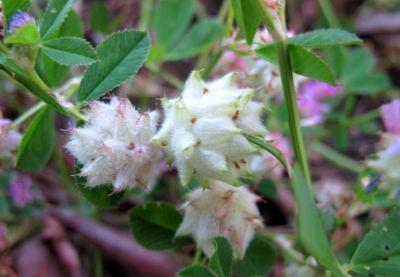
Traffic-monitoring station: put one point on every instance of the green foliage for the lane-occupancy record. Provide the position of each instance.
(325, 38)
(247, 19)
(176, 41)
(56, 12)
(221, 261)
(102, 196)
(69, 51)
(378, 253)
(198, 39)
(154, 226)
(258, 260)
(38, 141)
(120, 57)
(30, 82)
(53, 73)
(11, 6)
(303, 62)
(169, 31)
(355, 69)
(101, 20)
(196, 271)
(310, 231)
(26, 35)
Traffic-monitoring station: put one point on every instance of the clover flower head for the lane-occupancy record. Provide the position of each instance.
(221, 210)
(204, 129)
(113, 147)
(390, 114)
(18, 20)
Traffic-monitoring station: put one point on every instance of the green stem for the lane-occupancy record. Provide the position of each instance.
(165, 75)
(369, 116)
(336, 157)
(292, 109)
(28, 114)
(197, 257)
(329, 13)
(145, 15)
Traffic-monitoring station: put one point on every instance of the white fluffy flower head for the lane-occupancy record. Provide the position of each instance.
(221, 210)
(114, 147)
(204, 129)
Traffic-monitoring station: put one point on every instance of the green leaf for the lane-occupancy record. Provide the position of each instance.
(154, 226)
(101, 20)
(221, 261)
(171, 20)
(26, 35)
(56, 12)
(359, 75)
(303, 61)
(102, 196)
(379, 251)
(11, 6)
(21, 76)
(267, 145)
(69, 51)
(258, 260)
(310, 231)
(325, 38)
(198, 39)
(196, 271)
(247, 19)
(120, 57)
(369, 84)
(38, 141)
(53, 73)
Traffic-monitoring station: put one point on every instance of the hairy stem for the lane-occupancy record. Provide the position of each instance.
(292, 109)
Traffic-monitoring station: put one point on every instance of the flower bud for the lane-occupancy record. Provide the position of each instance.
(390, 114)
(18, 20)
(221, 210)
(113, 147)
(204, 129)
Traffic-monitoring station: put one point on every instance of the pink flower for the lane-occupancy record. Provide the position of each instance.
(311, 97)
(233, 62)
(390, 114)
(20, 190)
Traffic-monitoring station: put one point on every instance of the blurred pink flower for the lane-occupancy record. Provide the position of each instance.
(390, 114)
(3, 234)
(311, 97)
(20, 191)
(233, 62)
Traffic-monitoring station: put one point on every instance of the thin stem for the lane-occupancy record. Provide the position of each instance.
(165, 75)
(28, 114)
(329, 13)
(336, 157)
(197, 257)
(369, 116)
(292, 109)
(145, 14)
